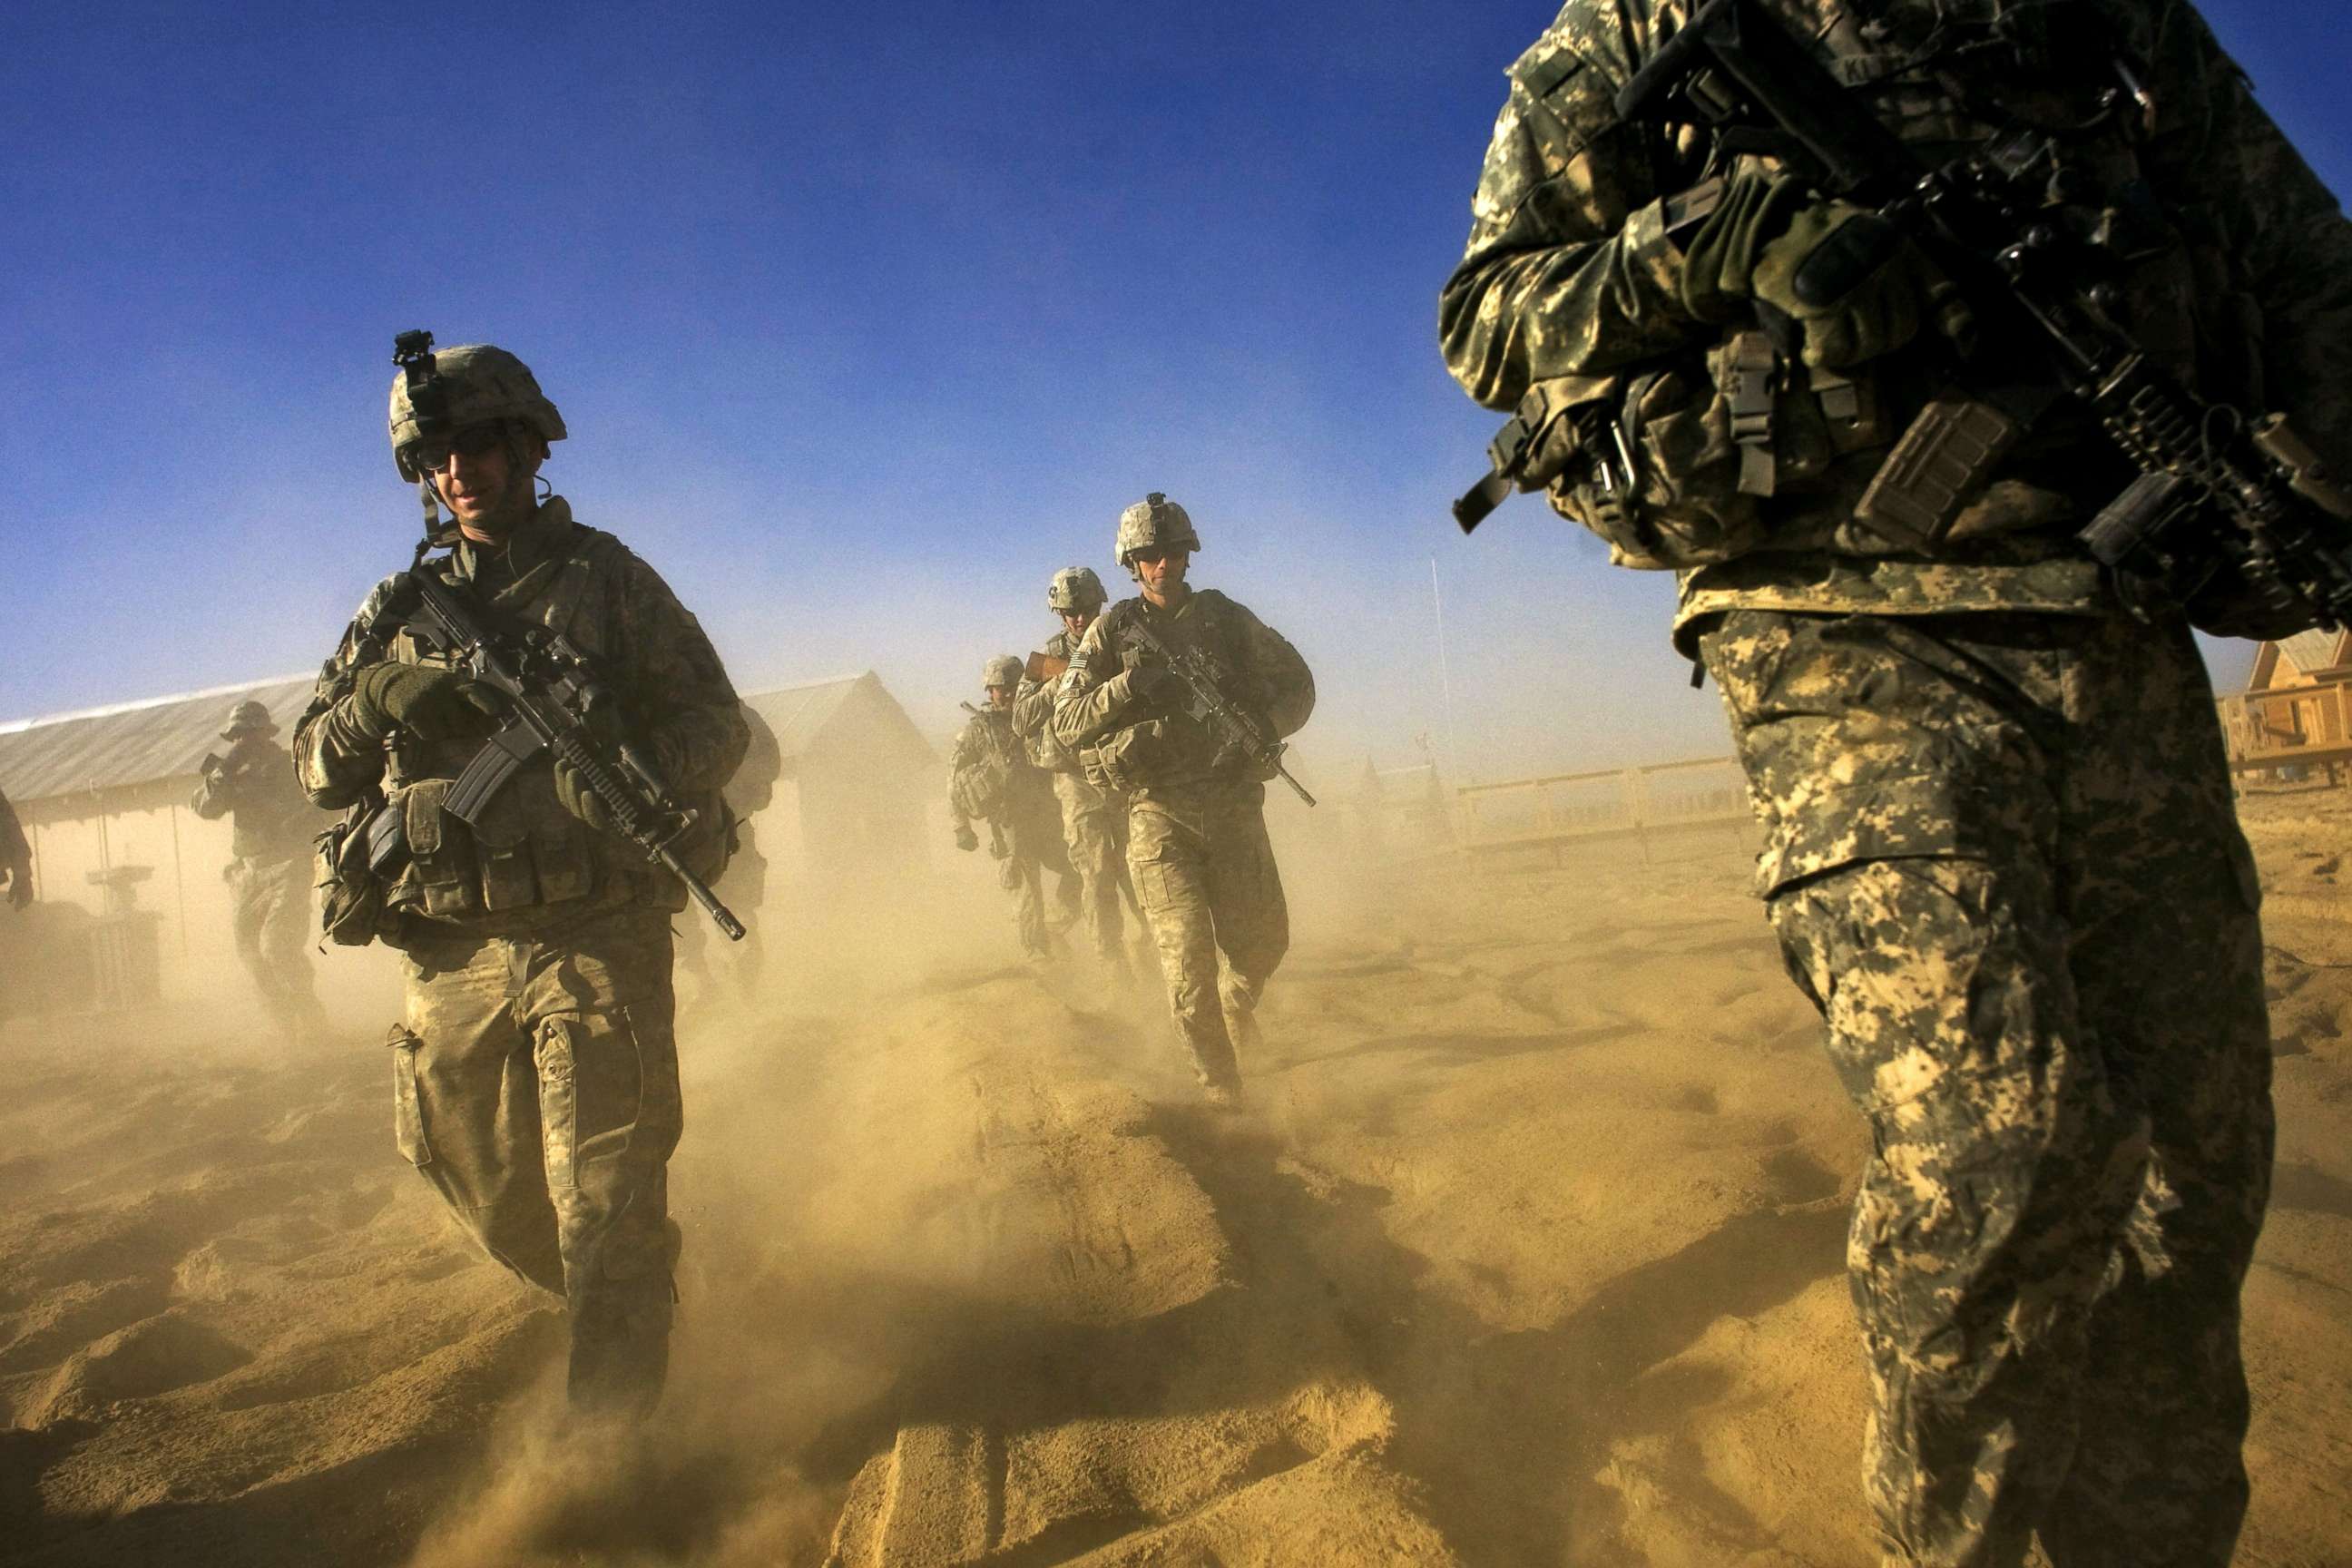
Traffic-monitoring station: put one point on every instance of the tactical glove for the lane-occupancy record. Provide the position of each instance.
(20, 886)
(1153, 683)
(572, 792)
(429, 703)
(1857, 286)
(966, 839)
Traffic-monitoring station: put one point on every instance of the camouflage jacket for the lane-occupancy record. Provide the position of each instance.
(528, 860)
(1033, 710)
(991, 777)
(1144, 744)
(254, 785)
(1569, 278)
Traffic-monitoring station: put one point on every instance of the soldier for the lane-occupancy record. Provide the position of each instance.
(2000, 853)
(1196, 844)
(15, 856)
(1094, 820)
(268, 872)
(992, 779)
(535, 1072)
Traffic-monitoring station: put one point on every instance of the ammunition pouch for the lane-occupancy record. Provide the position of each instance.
(1139, 757)
(351, 906)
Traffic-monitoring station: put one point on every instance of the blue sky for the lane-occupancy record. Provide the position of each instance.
(864, 320)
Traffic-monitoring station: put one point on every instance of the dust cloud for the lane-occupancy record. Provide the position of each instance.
(1527, 1250)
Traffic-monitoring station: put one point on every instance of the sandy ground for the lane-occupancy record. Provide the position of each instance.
(1528, 1252)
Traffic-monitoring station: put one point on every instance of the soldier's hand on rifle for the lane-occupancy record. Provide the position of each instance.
(1151, 682)
(429, 703)
(966, 839)
(1857, 286)
(572, 791)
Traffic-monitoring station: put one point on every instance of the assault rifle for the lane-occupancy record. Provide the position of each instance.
(1044, 667)
(1214, 709)
(554, 703)
(2215, 490)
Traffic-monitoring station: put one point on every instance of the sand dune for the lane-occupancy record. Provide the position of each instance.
(1528, 1251)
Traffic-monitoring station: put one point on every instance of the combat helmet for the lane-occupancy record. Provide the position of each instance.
(1155, 522)
(1074, 589)
(248, 718)
(1002, 670)
(477, 383)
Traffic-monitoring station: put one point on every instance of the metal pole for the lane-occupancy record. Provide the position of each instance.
(1445, 675)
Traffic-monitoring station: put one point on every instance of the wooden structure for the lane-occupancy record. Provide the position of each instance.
(2293, 720)
(1554, 811)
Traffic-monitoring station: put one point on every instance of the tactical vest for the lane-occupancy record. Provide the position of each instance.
(1700, 458)
(525, 850)
(1172, 748)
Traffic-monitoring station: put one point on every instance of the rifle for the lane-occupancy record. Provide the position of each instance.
(555, 703)
(1044, 667)
(2215, 490)
(1214, 709)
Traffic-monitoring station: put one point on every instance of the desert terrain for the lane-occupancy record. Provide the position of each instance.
(1527, 1251)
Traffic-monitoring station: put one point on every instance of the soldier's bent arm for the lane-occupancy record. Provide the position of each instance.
(1282, 673)
(1092, 697)
(336, 760)
(2218, 155)
(677, 685)
(1032, 709)
(1568, 270)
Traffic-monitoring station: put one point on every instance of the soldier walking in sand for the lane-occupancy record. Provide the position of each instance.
(535, 1071)
(1094, 819)
(992, 779)
(269, 873)
(1197, 849)
(2001, 855)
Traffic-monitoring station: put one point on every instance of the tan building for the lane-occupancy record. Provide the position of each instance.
(2294, 718)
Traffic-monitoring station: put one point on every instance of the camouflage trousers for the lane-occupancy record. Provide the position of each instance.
(2003, 860)
(272, 929)
(1093, 829)
(1028, 844)
(536, 1088)
(1205, 875)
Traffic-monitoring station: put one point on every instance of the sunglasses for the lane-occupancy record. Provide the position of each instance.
(431, 457)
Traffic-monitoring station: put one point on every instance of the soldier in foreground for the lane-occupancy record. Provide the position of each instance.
(2000, 851)
(15, 856)
(535, 1073)
(1094, 819)
(990, 779)
(1196, 842)
(269, 873)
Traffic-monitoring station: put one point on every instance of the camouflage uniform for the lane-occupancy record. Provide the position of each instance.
(535, 1071)
(15, 856)
(1197, 847)
(1094, 819)
(269, 873)
(2002, 855)
(992, 779)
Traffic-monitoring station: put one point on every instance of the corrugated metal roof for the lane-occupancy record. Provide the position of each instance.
(162, 738)
(133, 743)
(2314, 650)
